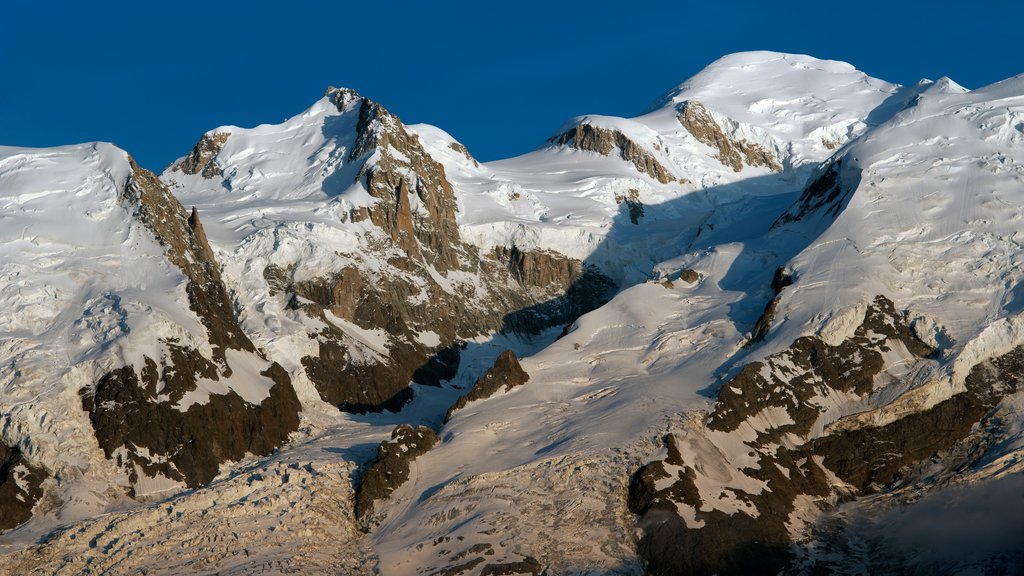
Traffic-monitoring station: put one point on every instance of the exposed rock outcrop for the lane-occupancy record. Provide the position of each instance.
(689, 276)
(391, 467)
(20, 487)
(139, 424)
(732, 152)
(506, 373)
(634, 207)
(185, 245)
(572, 289)
(401, 169)
(458, 147)
(528, 565)
(528, 292)
(428, 290)
(742, 518)
(764, 322)
(604, 141)
(826, 194)
(202, 158)
(137, 416)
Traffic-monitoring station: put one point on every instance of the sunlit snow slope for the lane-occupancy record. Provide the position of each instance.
(818, 323)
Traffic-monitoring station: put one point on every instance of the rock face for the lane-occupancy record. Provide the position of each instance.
(528, 565)
(577, 288)
(506, 373)
(201, 159)
(732, 152)
(604, 141)
(825, 195)
(402, 168)
(428, 290)
(141, 418)
(525, 292)
(20, 487)
(461, 149)
(187, 248)
(391, 467)
(733, 490)
(634, 207)
(146, 431)
(779, 281)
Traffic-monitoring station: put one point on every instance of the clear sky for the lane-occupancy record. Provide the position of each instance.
(500, 77)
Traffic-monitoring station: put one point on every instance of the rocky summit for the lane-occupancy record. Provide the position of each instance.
(773, 325)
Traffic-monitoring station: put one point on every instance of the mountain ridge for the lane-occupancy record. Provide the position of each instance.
(652, 248)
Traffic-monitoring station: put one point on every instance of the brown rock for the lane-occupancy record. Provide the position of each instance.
(202, 158)
(128, 413)
(137, 413)
(464, 151)
(689, 276)
(527, 291)
(20, 487)
(528, 565)
(698, 121)
(506, 373)
(786, 458)
(603, 141)
(634, 207)
(391, 467)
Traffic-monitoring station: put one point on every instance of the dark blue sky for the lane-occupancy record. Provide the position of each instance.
(152, 76)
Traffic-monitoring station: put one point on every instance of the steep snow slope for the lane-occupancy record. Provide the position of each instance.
(924, 214)
(920, 210)
(829, 256)
(759, 123)
(65, 236)
(104, 280)
(338, 233)
(928, 213)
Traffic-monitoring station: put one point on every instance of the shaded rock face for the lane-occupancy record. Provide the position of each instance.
(572, 287)
(136, 416)
(604, 141)
(506, 373)
(143, 431)
(689, 276)
(391, 467)
(634, 207)
(826, 195)
(764, 322)
(20, 487)
(784, 441)
(522, 291)
(528, 565)
(201, 160)
(732, 152)
(478, 554)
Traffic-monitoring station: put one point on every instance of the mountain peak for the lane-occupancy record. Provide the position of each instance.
(764, 72)
(342, 98)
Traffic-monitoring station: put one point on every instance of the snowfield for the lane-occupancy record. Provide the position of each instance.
(921, 200)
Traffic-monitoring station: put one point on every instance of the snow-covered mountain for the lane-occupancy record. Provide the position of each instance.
(785, 301)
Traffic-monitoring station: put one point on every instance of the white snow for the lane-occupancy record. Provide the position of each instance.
(932, 223)
(85, 289)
